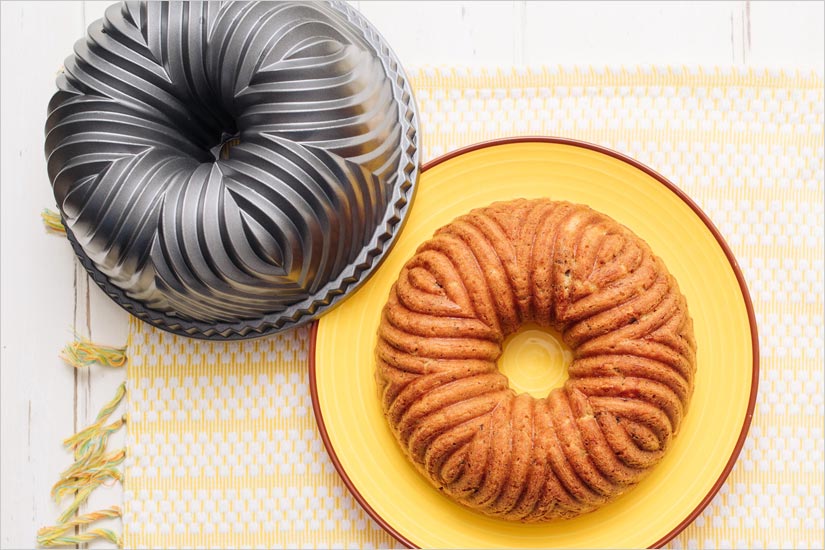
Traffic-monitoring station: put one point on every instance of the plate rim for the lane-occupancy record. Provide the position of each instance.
(740, 278)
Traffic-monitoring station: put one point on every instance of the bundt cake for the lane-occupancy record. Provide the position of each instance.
(563, 266)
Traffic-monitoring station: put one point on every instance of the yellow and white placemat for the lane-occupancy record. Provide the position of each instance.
(222, 446)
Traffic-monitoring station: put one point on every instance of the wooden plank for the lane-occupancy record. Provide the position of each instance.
(628, 33)
(438, 33)
(787, 34)
(104, 322)
(37, 275)
(93, 10)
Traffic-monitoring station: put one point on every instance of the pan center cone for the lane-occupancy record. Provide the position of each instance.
(535, 360)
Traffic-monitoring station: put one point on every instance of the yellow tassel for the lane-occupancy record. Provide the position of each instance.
(89, 476)
(82, 353)
(92, 467)
(57, 535)
(82, 437)
(95, 439)
(52, 221)
(89, 446)
(85, 442)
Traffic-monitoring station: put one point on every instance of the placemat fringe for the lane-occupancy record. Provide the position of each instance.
(93, 466)
(50, 537)
(82, 353)
(52, 221)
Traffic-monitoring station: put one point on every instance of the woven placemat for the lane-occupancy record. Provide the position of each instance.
(222, 446)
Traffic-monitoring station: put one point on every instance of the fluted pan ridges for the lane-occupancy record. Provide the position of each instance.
(559, 265)
(302, 207)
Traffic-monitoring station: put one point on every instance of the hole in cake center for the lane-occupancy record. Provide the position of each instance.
(535, 360)
(227, 141)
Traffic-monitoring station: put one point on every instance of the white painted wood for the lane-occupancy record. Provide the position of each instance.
(628, 33)
(455, 33)
(93, 10)
(787, 34)
(38, 275)
(44, 292)
(102, 321)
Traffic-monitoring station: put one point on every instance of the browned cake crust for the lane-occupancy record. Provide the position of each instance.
(564, 266)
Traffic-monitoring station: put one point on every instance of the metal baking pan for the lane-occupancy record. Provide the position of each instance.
(292, 219)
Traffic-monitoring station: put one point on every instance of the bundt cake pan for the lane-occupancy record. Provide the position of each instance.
(291, 219)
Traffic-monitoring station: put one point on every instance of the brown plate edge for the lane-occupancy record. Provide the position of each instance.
(313, 387)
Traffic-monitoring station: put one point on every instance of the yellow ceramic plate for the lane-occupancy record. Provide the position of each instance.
(365, 451)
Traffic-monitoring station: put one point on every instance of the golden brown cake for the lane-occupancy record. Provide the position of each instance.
(563, 266)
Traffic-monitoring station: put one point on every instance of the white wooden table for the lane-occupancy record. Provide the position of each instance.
(46, 293)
